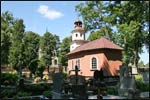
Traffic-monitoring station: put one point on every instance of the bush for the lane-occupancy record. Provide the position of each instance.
(8, 79)
(37, 89)
(139, 77)
(47, 94)
(142, 86)
(7, 93)
(23, 94)
(112, 91)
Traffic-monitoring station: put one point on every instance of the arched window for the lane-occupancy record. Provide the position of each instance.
(94, 63)
(76, 35)
(80, 35)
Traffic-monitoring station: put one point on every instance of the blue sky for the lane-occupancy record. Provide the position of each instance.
(55, 16)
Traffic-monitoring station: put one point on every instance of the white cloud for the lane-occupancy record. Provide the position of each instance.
(50, 14)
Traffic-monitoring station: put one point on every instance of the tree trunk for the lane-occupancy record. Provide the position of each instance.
(136, 59)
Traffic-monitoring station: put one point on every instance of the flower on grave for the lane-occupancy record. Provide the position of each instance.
(37, 79)
(45, 77)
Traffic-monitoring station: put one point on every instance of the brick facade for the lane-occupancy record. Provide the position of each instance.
(107, 59)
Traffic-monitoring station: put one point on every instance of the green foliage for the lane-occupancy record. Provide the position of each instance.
(6, 32)
(8, 79)
(139, 77)
(48, 94)
(143, 87)
(33, 65)
(64, 49)
(49, 45)
(23, 94)
(37, 89)
(7, 93)
(141, 64)
(16, 53)
(130, 18)
(41, 68)
(31, 41)
(112, 91)
(147, 65)
(104, 31)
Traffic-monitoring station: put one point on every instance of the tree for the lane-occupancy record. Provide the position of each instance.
(31, 41)
(16, 53)
(103, 32)
(147, 65)
(33, 65)
(141, 64)
(6, 27)
(48, 46)
(64, 49)
(121, 14)
(56, 45)
(40, 68)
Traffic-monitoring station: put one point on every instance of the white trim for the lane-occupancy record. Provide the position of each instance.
(91, 62)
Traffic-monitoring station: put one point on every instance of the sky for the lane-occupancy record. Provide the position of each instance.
(55, 16)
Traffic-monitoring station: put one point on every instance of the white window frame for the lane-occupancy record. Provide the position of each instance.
(91, 63)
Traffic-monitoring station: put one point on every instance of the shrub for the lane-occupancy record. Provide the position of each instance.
(47, 94)
(142, 86)
(23, 94)
(112, 91)
(37, 89)
(7, 93)
(8, 79)
(139, 77)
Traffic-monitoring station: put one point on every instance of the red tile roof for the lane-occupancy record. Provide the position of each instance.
(96, 44)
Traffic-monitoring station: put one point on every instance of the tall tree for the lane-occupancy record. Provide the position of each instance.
(31, 41)
(16, 53)
(48, 44)
(6, 27)
(121, 14)
(64, 49)
(56, 45)
(103, 32)
(141, 64)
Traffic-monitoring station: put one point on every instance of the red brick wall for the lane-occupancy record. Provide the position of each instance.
(109, 60)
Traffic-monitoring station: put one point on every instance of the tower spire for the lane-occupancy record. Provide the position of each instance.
(46, 29)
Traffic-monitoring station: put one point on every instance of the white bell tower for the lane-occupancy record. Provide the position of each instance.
(78, 35)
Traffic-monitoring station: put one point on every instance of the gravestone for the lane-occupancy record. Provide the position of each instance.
(99, 83)
(78, 85)
(146, 76)
(127, 85)
(57, 85)
(21, 84)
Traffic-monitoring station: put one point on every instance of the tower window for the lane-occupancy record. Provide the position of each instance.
(80, 35)
(76, 35)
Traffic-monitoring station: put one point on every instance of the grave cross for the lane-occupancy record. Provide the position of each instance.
(76, 73)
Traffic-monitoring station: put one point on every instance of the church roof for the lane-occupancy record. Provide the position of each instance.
(96, 44)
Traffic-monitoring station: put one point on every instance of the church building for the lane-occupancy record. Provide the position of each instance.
(92, 55)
